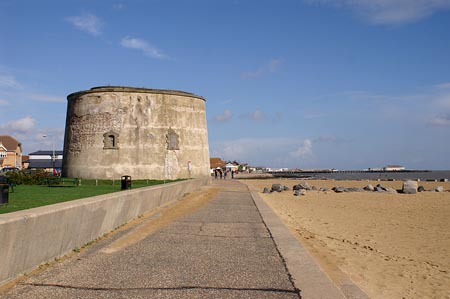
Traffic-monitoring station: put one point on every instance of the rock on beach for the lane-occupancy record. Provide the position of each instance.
(409, 187)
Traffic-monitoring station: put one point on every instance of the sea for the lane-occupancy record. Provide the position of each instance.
(417, 175)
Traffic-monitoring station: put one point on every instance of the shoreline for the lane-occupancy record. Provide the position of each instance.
(416, 175)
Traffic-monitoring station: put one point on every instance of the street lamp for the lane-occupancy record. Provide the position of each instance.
(53, 152)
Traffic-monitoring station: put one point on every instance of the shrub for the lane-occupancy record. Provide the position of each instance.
(27, 177)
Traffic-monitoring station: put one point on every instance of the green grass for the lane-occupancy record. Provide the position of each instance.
(31, 196)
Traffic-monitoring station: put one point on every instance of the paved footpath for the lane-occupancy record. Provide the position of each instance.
(222, 250)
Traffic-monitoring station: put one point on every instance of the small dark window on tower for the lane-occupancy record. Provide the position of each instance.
(172, 140)
(110, 140)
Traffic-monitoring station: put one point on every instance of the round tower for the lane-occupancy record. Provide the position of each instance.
(145, 133)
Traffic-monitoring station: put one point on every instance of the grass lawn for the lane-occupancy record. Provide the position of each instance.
(27, 197)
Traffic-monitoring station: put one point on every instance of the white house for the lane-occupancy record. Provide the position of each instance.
(230, 167)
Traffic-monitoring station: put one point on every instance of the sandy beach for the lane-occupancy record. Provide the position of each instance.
(391, 245)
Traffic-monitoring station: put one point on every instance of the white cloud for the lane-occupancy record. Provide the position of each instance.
(225, 116)
(390, 11)
(443, 85)
(270, 152)
(19, 126)
(256, 115)
(142, 45)
(270, 67)
(261, 116)
(9, 81)
(274, 64)
(304, 151)
(440, 120)
(443, 101)
(88, 23)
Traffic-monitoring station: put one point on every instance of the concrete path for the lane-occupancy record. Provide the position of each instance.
(223, 250)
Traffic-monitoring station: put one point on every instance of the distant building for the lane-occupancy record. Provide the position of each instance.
(25, 161)
(46, 161)
(231, 167)
(217, 163)
(393, 168)
(10, 152)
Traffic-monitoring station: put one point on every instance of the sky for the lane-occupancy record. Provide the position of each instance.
(311, 84)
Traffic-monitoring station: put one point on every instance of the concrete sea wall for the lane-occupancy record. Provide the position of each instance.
(31, 237)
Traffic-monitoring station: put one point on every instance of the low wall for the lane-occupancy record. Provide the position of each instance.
(31, 237)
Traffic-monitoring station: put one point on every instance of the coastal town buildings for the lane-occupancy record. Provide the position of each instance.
(50, 161)
(10, 152)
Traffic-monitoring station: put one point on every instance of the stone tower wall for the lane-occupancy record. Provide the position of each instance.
(144, 133)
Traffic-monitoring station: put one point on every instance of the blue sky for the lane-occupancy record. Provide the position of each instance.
(343, 84)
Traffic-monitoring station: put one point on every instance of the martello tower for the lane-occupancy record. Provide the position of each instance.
(146, 133)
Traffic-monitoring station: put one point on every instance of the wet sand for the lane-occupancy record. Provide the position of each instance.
(391, 245)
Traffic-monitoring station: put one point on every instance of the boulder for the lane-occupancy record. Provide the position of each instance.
(299, 193)
(277, 188)
(324, 189)
(383, 188)
(439, 189)
(369, 188)
(379, 189)
(421, 189)
(338, 189)
(303, 186)
(391, 190)
(353, 189)
(267, 190)
(409, 187)
(286, 188)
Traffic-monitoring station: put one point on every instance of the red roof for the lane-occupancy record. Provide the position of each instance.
(10, 143)
(216, 162)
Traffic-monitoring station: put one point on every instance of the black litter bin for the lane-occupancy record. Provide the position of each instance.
(126, 182)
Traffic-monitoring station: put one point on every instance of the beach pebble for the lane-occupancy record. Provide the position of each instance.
(439, 189)
(324, 189)
(421, 189)
(286, 188)
(409, 187)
